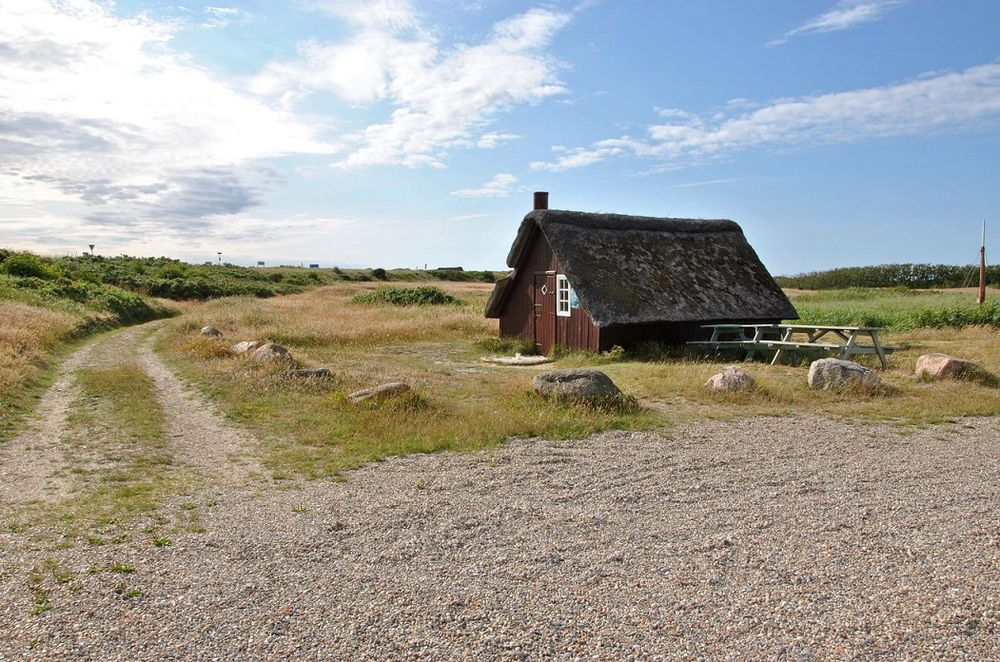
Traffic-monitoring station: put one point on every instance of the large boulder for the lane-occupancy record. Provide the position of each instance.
(932, 367)
(730, 379)
(837, 373)
(271, 353)
(245, 346)
(379, 393)
(211, 332)
(577, 385)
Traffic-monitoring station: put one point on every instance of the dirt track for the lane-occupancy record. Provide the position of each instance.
(768, 538)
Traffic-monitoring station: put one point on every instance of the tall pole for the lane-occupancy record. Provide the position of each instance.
(982, 267)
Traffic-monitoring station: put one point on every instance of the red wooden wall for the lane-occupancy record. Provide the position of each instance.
(518, 317)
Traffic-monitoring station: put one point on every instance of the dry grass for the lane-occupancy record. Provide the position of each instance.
(675, 386)
(27, 336)
(461, 403)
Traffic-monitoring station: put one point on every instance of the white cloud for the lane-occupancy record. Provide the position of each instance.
(439, 97)
(372, 14)
(221, 17)
(960, 100)
(844, 15)
(498, 187)
(99, 109)
(706, 182)
(492, 139)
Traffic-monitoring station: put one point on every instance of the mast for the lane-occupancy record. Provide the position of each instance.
(982, 267)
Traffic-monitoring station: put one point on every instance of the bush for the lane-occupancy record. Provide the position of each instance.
(27, 265)
(402, 296)
(380, 274)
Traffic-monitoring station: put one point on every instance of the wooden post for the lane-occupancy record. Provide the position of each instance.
(982, 267)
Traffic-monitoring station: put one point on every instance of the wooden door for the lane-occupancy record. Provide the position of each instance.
(544, 286)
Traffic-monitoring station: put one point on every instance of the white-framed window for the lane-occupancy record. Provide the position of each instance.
(564, 294)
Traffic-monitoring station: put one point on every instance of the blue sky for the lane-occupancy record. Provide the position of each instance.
(399, 133)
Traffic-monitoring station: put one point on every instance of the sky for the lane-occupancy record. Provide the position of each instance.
(404, 133)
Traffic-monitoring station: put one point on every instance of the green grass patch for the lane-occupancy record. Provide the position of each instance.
(126, 399)
(896, 309)
(497, 345)
(426, 295)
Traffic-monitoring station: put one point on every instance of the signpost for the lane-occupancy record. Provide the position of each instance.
(982, 267)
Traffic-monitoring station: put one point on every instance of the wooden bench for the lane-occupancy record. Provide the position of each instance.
(752, 338)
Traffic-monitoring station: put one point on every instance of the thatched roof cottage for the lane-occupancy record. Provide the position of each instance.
(592, 281)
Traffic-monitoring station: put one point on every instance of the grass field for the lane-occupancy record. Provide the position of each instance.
(898, 309)
(462, 403)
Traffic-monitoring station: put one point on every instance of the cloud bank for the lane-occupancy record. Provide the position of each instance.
(440, 98)
(934, 102)
(98, 109)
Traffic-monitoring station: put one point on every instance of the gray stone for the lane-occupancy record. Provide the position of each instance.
(730, 379)
(271, 352)
(318, 373)
(379, 393)
(245, 346)
(942, 366)
(211, 332)
(580, 384)
(837, 373)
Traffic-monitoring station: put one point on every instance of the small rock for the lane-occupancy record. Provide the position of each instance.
(318, 373)
(270, 352)
(730, 379)
(579, 384)
(211, 331)
(380, 392)
(838, 373)
(245, 346)
(942, 366)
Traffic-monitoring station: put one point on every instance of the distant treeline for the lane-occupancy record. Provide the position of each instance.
(172, 279)
(914, 276)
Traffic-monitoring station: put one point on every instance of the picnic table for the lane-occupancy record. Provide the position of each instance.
(783, 338)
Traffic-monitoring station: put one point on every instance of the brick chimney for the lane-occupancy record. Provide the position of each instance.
(541, 200)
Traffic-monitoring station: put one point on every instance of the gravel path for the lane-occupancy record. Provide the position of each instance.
(40, 464)
(790, 539)
(199, 436)
(32, 465)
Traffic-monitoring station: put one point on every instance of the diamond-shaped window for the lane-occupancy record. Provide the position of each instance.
(545, 290)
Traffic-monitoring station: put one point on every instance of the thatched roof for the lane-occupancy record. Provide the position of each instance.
(636, 269)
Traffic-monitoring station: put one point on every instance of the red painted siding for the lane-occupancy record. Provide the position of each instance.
(518, 317)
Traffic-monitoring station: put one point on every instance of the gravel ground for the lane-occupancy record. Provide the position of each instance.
(791, 539)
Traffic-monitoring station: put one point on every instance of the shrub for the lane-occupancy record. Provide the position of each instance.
(27, 265)
(402, 296)
(380, 274)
